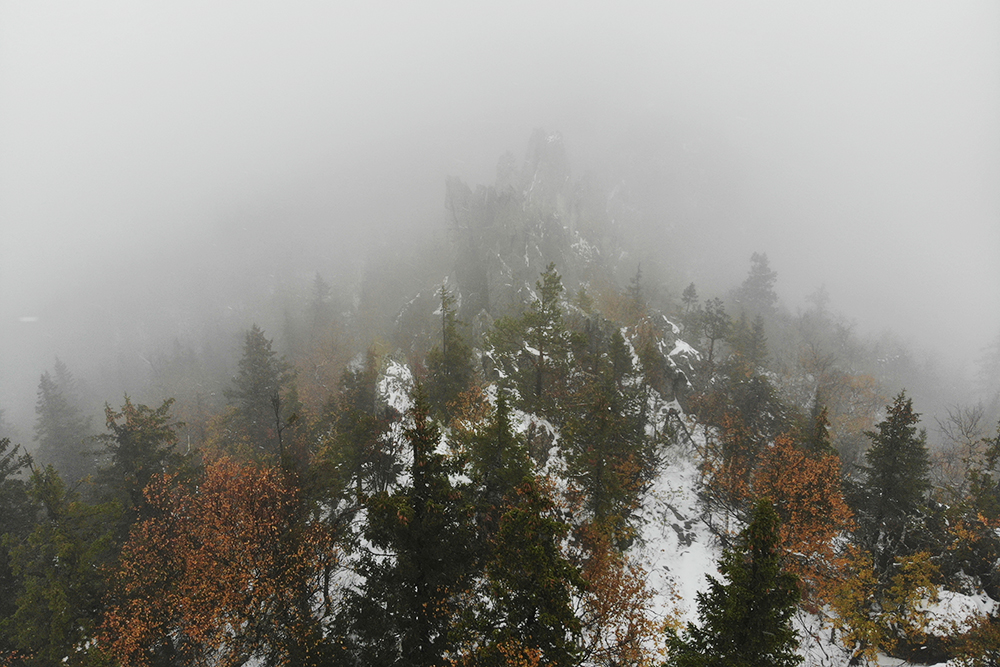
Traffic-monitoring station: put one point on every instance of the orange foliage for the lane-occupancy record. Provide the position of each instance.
(617, 625)
(805, 490)
(221, 570)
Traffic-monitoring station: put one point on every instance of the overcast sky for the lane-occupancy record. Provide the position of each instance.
(858, 144)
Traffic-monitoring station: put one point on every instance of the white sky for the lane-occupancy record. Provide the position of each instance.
(857, 143)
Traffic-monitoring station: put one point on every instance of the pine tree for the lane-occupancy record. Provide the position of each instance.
(59, 566)
(61, 429)
(140, 444)
(746, 621)
(450, 364)
(756, 294)
(716, 324)
(15, 523)
(893, 494)
(258, 393)
(421, 564)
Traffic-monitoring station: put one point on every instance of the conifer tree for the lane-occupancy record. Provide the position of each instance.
(140, 444)
(746, 620)
(817, 432)
(607, 452)
(893, 494)
(59, 565)
(499, 458)
(523, 598)
(422, 534)
(532, 351)
(61, 429)
(362, 454)
(756, 294)
(529, 585)
(450, 364)
(689, 298)
(716, 324)
(15, 522)
(545, 331)
(258, 393)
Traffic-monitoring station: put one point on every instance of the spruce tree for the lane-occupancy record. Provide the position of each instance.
(140, 444)
(746, 620)
(59, 567)
(15, 523)
(61, 429)
(893, 493)
(716, 325)
(525, 584)
(532, 351)
(756, 294)
(258, 393)
(421, 561)
(450, 364)
(546, 333)
(607, 452)
(363, 456)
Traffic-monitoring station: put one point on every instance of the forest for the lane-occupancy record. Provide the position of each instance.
(518, 440)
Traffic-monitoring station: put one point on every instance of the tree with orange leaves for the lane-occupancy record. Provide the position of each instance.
(221, 573)
(805, 490)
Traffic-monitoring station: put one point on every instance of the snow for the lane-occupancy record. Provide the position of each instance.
(676, 548)
(682, 348)
(956, 612)
(631, 349)
(584, 249)
(678, 551)
(395, 387)
(673, 327)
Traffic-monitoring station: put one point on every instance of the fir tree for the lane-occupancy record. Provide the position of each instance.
(716, 324)
(450, 364)
(406, 609)
(61, 429)
(258, 393)
(893, 494)
(756, 294)
(140, 444)
(746, 620)
(15, 523)
(59, 565)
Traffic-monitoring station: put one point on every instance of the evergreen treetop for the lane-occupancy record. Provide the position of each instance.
(746, 621)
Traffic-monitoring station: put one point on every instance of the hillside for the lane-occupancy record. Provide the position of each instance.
(511, 443)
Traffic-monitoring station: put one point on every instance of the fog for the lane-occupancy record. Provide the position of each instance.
(153, 154)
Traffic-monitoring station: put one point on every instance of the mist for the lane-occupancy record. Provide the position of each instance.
(162, 164)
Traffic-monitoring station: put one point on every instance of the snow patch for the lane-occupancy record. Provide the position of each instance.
(395, 387)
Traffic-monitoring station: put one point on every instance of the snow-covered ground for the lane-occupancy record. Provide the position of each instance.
(676, 549)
